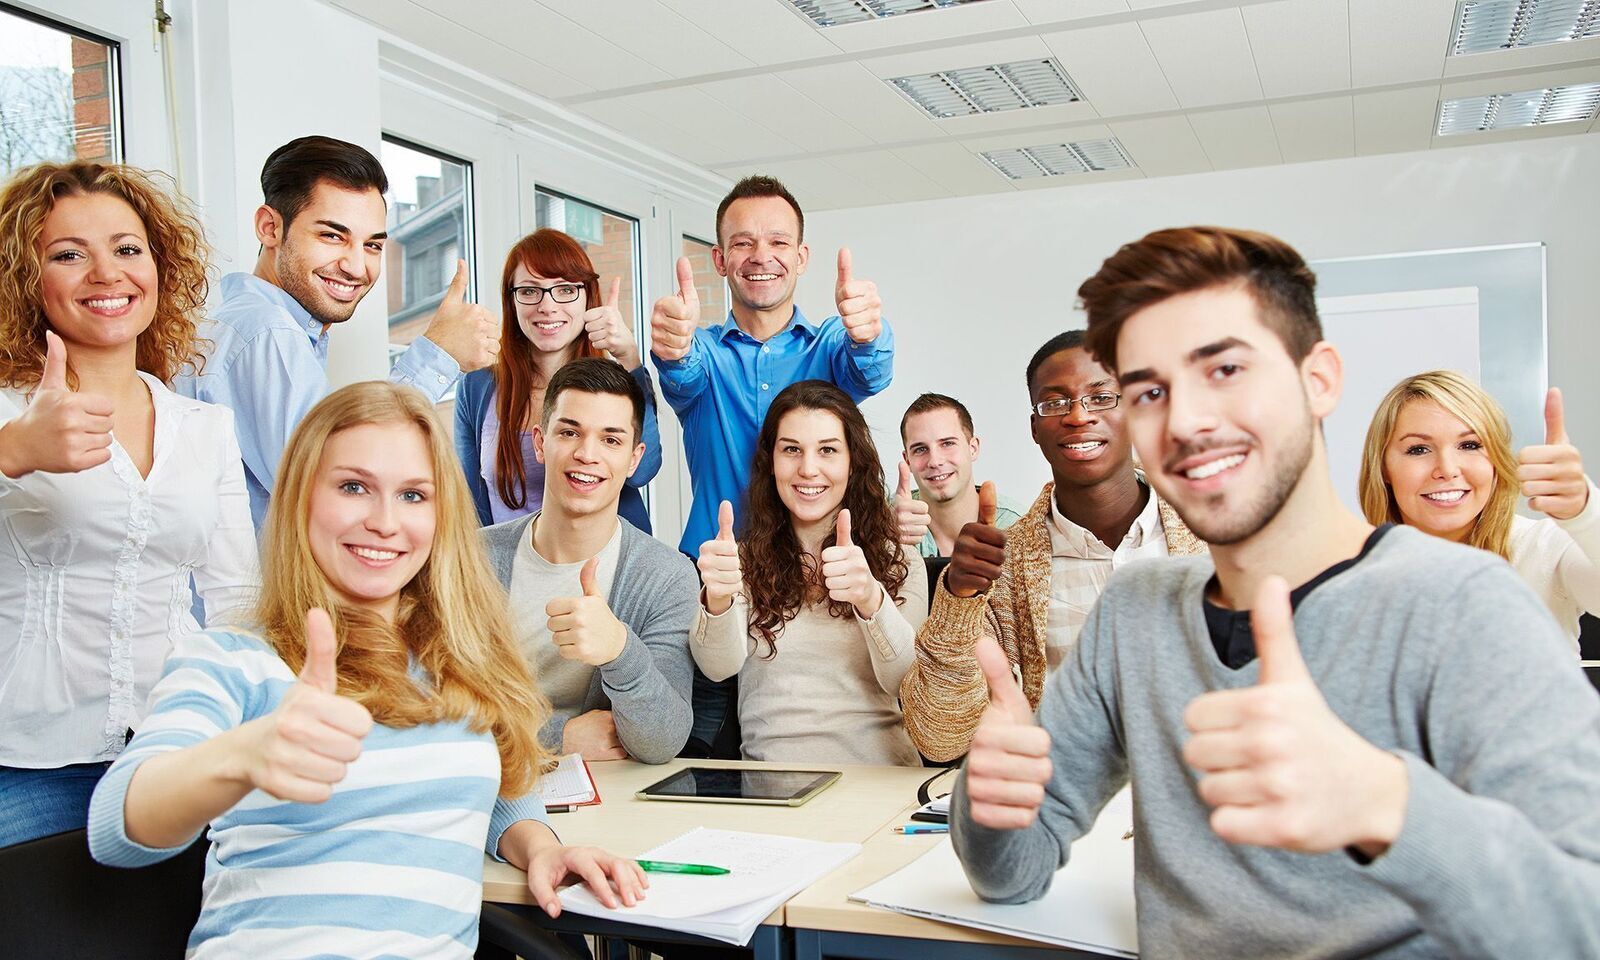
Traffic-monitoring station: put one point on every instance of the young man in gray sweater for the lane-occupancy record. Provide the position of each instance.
(1397, 758)
(601, 609)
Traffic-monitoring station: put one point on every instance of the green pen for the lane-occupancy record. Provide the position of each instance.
(666, 866)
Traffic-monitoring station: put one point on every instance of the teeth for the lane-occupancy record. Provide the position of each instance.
(371, 554)
(110, 303)
(584, 477)
(1088, 445)
(810, 491)
(1214, 467)
(550, 324)
(941, 478)
(1446, 496)
(762, 276)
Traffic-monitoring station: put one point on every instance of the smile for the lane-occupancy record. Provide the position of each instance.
(1213, 467)
(109, 306)
(807, 490)
(941, 477)
(340, 289)
(374, 556)
(549, 326)
(1445, 496)
(761, 277)
(1084, 449)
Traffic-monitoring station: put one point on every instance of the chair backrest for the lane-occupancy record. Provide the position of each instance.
(58, 902)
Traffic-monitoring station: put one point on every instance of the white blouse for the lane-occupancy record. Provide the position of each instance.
(96, 570)
(1560, 560)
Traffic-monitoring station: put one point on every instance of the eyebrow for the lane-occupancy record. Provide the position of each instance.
(797, 442)
(752, 233)
(82, 242)
(573, 423)
(341, 228)
(1429, 436)
(1195, 356)
(369, 475)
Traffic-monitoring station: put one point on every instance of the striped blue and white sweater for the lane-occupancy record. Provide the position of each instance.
(391, 865)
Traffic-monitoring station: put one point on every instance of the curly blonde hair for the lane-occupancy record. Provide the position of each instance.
(177, 244)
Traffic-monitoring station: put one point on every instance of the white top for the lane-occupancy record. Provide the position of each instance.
(1080, 565)
(536, 581)
(1560, 560)
(96, 570)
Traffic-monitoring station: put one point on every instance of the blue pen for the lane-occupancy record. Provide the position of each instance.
(917, 828)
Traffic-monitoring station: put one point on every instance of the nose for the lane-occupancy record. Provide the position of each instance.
(587, 450)
(1189, 414)
(103, 270)
(352, 263)
(1079, 415)
(1445, 465)
(808, 465)
(381, 518)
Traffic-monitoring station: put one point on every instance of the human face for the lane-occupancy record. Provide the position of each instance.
(96, 273)
(1224, 420)
(760, 252)
(372, 513)
(1438, 470)
(588, 449)
(330, 256)
(940, 454)
(811, 465)
(1083, 448)
(549, 326)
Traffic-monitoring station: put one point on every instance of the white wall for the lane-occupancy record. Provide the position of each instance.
(974, 285)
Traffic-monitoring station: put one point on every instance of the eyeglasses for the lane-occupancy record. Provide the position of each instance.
(560, 293)
(1061, 406)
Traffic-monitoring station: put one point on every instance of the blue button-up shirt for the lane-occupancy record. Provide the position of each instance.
(268, 363)
(721, 391)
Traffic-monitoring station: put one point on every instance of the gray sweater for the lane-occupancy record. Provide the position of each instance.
(656, 595)
(1432, 650)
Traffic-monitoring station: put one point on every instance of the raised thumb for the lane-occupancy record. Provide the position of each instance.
(725, 521)
(1272, 626)
(586, 577)
(686, 288)
(458, 284)
(616, 292)
(1555, 421)
(988, 503)
(845, 266)
(905, 481)
(319, 670)
(1003, 690)
(841, 529)
(55, 363)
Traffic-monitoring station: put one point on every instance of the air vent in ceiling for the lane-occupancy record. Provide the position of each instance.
(1059, 159)
(991, 89)
(1485, 25)
(1525, 108)
(831, 13)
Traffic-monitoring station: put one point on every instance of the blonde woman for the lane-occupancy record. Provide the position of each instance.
(117, 496)
(1438, 457)
(373, 733)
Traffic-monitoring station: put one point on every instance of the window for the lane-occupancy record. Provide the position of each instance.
(58, 95)
(713, 292)
(610, 239)
(430, 226)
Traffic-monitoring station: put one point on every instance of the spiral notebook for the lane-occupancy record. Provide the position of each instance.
(566, 782)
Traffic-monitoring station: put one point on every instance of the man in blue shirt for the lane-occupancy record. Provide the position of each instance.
(322, 228)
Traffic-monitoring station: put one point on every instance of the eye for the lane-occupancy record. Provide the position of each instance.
(1102, 398)
(129, 250)
(331, 236)
(1223, 371)
(352, 487)
(413, 496)
(830, 451)
(740, 244)
(564, 290)
(566, 432)
(1416, 450)
(789, 449)
(374, 247)
(1149, 395)
(66, 255)
(614, 441)
(948, 443)
(1471, 445)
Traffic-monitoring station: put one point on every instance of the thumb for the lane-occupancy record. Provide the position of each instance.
(319, 670)
(686, 288)
(615, 296)
(844, 266)
(905, 481)
(988, 503)
(1272, 625)
(1003, 690)
(55, 363)
(1555, 425)
(458, 284)
(725, 521)
(841, 529)
(586, 577)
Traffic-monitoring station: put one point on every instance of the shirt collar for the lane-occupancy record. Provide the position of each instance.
(252, 285)
(1146, 526)
(798, 325)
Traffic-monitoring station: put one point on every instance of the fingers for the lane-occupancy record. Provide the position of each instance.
(594, 877)
(686, 288)
(1272, 625)
(458, 284)
(544, 891)
(904, 490)
(55, 363)
(988, 503)
(725, 521)
(1234, 788)
(1555, 425)
(1004, 693)
(319, 670)
(588, 577)
(841, 529)
(845, 267)
(615, 295)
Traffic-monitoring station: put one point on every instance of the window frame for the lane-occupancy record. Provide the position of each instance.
(469, 222)
(638, 251)
(114, 58)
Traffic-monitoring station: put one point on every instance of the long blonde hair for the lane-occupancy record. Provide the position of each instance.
(453, 618)
(1469, 403)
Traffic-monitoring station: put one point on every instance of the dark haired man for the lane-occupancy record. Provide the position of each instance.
(939, 448)
(322, 228)
(1361, 767)
(601, 609)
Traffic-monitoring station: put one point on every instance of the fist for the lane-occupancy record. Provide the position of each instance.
(466, 331)
(1552, 474)
(857, 300)
(60, 431)
(979, 555)
(846, 574)
(720, 573)
(609, 332)
(594, 735)
(911, 514)
(674, 318)
(1008, 763)
(583, 628)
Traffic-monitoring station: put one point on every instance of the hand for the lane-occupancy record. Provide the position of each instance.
(1280, 769)
(593, 734)
(1009, 761)
(464, 330)
(584, 628)
(719, 564)
(673, 318)
(910, 513)
(857, 300)
(979, 555)
(610, 878)
(846, 574)
(609, 332)
(1552, 474)
(305, 746)
(60, 431)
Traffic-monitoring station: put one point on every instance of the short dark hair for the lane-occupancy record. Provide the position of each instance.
(1069, 340)
(929, 402)
(595, 375)
(293, 170)
(760, 186)
(1181, 260)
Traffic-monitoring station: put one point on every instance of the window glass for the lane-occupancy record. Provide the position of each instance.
(57, 95)
(430, 223)
(610, 239)
(713, 291)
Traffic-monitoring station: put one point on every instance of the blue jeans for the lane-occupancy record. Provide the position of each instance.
(38, 803)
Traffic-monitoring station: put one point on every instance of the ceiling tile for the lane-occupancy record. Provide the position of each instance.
(1205, 56)
(654, 33)
(1033, 138)
(974, 54)
(675, 119)
(969, 20)
(768, 33)
(1162, 146)
(1300, 46)
(786, 109)
(886, 176)
(812, 181)
(1394, 42)
(1056, 11)
(952, 166)
(1055, 115)
(1315, 129)
(1391, 121)
(863, 101)
(1238, 137)
(1114, 68)
(1525, 58)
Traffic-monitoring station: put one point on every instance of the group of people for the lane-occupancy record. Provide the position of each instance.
(398, 635)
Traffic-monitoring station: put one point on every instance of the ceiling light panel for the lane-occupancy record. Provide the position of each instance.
(1525, 108)
(1486, 25)
(1059, 159)
(831, 13)
(992, 89)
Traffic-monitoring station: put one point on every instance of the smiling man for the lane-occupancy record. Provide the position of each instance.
(940, 447)
(1032, 586)
(322, 228)
(601, 609)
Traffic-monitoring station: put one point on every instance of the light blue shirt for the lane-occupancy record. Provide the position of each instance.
(721, 391)
(268, 363)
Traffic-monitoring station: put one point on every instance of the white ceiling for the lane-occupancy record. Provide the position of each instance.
(743, 86)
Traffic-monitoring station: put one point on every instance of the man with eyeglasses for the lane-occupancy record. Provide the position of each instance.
(1032, 586)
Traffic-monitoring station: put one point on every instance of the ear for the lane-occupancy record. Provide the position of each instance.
(1322, 378)
(973, 443)
(538, 443)
(638, 454)
(269, 227)
(1033, 427)
(718, 261)
(804, 258)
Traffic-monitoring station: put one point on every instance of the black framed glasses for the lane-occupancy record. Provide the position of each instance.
(1061, 406)
(530, 295)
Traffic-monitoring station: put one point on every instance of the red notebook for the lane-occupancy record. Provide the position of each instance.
(566, 782)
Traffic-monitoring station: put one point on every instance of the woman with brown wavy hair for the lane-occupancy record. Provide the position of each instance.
(117, 496)
(551, 315)
(816, 605)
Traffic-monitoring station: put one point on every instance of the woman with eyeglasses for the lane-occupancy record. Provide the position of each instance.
(552, 314)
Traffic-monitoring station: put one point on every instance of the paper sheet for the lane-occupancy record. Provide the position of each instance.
(568, 782)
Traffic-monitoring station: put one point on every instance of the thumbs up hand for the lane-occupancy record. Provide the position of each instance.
(609, 332)
(60, 431)
(978, 558)
(1279, 767)
(1552, 473)
(584, 628)
(846, 574)
(305, 746)
(464, 330)
(910, 513)
(673, 318)
(1008, 764)
(719, 564)
(858, 303)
